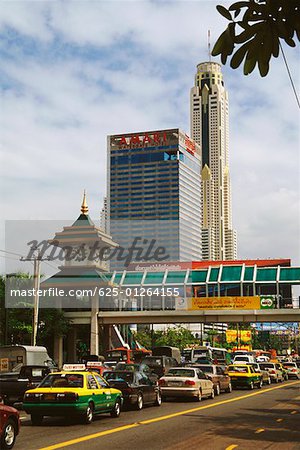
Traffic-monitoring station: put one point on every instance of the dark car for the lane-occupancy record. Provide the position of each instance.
(137, 367)
(9, 426)
(136, 387)
(218, 375)
(160, 364)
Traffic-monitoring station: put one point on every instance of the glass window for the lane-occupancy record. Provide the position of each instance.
(91, 382)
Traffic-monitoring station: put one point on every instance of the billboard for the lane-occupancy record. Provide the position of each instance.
(244, 302)
(242, 335)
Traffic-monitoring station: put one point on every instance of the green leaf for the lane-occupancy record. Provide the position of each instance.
(239, 56)
(263, 68)
(248, 33)
(220, 44)
(290, 42)
(224, 12)
(238, 5)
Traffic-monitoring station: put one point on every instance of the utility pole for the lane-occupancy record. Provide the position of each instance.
(37, 258)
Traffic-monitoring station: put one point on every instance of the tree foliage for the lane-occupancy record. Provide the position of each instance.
(255, 30)
(16, 323)
(175, 337)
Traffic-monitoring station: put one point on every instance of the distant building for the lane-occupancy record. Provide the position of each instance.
(210, 129)
(154, 192)
(104, 216)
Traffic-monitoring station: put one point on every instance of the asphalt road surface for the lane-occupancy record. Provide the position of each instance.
(244, 420)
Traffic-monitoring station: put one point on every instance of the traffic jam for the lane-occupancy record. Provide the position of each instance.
(125, 380)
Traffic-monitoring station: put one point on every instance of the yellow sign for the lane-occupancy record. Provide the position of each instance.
(244, 335)
(4, 366)
(225, 303)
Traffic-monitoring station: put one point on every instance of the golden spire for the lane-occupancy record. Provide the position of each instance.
(84, 206)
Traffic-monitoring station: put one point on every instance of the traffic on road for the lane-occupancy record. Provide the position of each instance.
(78, 393)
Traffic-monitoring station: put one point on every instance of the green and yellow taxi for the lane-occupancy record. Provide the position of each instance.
(244, 375)
(73, 392)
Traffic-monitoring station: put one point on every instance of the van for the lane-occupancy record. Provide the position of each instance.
(166, 350)
(244, 359)
(159, 364)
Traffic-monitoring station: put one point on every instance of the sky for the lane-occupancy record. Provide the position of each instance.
(74, 72)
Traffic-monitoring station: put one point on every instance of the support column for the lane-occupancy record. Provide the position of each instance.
(94, 340)
(71, 345)
(58, 350)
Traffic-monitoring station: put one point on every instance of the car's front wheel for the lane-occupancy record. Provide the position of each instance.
(212, 395)
(9, 435)
(217, 390)
(251, 385)
(117, 409)
(259, 385)
(36, 419)
(158, 399)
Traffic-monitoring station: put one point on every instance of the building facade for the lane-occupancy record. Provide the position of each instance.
(154, 193)
(210, 129)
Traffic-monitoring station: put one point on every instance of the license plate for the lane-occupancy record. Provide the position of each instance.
(49, 397)
(174, 383)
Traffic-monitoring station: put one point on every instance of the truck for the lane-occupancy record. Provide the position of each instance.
(165, 350)
(13, 357)
(13, 388)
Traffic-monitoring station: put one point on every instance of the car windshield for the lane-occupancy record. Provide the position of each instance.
(65, 380)
(206, 369)
(267, 366)
(118, 376)
(289, 365)
(238, 369)
(189, 373)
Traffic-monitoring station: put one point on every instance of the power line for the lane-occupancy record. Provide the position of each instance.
(290, 76)
(11, 253)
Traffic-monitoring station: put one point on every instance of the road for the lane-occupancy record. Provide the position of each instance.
(244, 420)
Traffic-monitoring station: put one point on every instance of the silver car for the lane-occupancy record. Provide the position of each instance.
(293, 370)
(186, 382)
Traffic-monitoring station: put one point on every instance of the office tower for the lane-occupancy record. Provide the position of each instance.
(154, 192)
(104, 215)
(209, 128)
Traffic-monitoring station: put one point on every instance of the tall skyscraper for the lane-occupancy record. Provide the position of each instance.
(154, 192)
(210, 129)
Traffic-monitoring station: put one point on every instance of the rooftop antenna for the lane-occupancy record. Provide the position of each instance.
(208, 45)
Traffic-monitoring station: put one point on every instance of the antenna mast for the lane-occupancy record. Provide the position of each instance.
(208, 45)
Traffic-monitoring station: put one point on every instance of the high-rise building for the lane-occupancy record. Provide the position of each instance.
(210, 129)
(104, 215)
(154, 192)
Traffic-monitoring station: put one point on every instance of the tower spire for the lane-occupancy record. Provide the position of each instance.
(208, 45)
(84, 206)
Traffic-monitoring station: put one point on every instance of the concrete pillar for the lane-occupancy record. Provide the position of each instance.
(94, 340)
(71, 345)
(58, 350)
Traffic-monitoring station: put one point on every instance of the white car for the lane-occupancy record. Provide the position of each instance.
(292, 369)
(186, 382)
(244, 359)
(262, 359)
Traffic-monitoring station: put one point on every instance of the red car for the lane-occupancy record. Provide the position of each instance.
(9, 426)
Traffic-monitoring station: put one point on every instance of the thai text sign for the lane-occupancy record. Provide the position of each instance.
(244, 302)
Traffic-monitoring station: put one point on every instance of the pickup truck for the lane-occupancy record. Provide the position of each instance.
(13, 385)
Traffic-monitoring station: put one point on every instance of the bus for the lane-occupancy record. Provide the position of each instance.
(207, 353)
(127, 355)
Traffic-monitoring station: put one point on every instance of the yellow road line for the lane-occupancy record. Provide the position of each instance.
(294, 412)
(231, 447)
(279, 420)
(260, 430)
(159, 419)
(90, 436)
